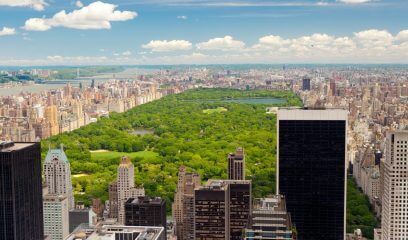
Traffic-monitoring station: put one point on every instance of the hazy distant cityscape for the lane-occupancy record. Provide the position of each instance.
(375, 113)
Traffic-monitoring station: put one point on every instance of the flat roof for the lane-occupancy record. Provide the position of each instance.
(10, 146)
(312, 114)
(146, 200)
(108, 232)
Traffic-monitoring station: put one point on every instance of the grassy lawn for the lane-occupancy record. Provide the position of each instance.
(80, 175)
(215, 110)
(108, 155)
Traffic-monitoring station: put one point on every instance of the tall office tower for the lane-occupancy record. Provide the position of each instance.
(145, 211)
(394, 222)
(333, 87)
(183, 205)
(312, 170)
(21, 210)
(222, 209)
(211, 211)
(57, 175)
(51, 114)
(236, 165)
(78, 112)
(187, 230)
(240, 204)
(177, 205)
(269, 220)
(126, 186)
(56, 216)
(113, 199)
(306, 84)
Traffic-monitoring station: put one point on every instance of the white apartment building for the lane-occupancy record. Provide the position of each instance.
(57, 175)
(126, 186)
(56, 216)
(395, 197)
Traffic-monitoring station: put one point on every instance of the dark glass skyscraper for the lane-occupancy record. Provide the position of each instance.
(145, 211)
(236, 165)
(222, 209)
(306, 84)
(312, 170)
(21, 209)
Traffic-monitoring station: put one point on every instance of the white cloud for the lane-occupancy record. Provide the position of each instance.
(373, 38)
(322, 4)
(127, 53)
(79, 4)
(272, 41)
(182, 17)
(367, 46)
(58, 59)
(38, 5)
(226, 43)
(402, 36)
(371, 45)
(167, 46)
(97, 15)
(7, 31)
(354, 1)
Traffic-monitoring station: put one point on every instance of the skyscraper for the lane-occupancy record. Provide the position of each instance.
(113, 199)
(240, 205)
(306, 84)
(236, 165)
(394, 222)
(211, 220)
(145, 211)
(222, 209)
(333, 87)
(57, 175)
(312, 170)
(183, 205)
(56, 216)
(21, 210)
(51, 114)
(126, 186)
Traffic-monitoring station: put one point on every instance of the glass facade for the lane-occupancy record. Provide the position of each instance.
(21, 210)
(312, 176)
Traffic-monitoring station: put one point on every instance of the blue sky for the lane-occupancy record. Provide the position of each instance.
(202, 31)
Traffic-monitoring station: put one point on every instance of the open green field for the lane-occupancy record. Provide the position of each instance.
(215, 110)
(109, 155)
(185, 134)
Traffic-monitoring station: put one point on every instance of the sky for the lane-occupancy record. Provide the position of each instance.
(107, 32)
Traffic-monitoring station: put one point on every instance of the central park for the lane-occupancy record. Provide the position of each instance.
(197, 129)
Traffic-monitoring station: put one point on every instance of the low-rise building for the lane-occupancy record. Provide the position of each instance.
(119, 232)
(269, 220)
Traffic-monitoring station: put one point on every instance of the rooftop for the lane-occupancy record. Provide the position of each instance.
(7, 146)
(110, 232)
(146, 200)
(56, 154)
(312, 114)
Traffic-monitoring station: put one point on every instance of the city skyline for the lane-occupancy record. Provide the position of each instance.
(41, 32)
